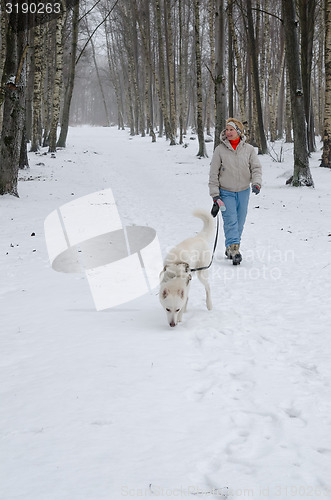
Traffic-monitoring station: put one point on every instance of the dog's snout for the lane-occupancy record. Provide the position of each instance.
(172, 323)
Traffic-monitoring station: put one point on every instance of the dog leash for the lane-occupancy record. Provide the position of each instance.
(215, 244)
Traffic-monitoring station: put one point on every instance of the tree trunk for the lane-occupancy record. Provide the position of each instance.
(3, 32)
(50, 29)
(97, 72)
(240, 76)
(61, 143)
(161, 75)
(161, 80)
(255, 70)
(326, 156)
(202, 146)
(275, 104)
(171, 69)
(220, 99)
(180, 73)
(24, 160)
(149, 75)
(36, 112)
(321, 69)
(230, 64)
(288, 114)
(14, 104)
(211, 89)
(29, 86)
(301, 175)
(57, 82)
(114, 73)
(307, 10)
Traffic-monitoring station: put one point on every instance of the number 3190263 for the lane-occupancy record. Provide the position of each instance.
(33, 8)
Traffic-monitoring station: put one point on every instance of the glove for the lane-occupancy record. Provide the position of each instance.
(217, 205)
(256, 189)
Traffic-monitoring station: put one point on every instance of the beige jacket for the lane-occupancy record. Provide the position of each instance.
(234, 170)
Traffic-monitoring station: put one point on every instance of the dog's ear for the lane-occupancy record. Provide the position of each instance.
(181, 292)
(188, 279)
(165, 293)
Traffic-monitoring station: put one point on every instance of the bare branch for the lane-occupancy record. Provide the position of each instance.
(95, 30)
(269, 13)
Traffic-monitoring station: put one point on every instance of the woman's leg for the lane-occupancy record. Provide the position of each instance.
(230, 217)
(242, 206)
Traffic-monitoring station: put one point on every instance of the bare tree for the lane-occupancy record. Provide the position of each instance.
(170, 66)
(255, 70)
(57, 81)
(3, 33)
(211, 88)
(301, 175)
(71, 78)
(240, 73)
(202, 146)
(37, 73)
(14, 76)
(307, 14)
(326, 156)
(220, 98)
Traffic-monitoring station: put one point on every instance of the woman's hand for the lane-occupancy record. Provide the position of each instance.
(217, 205)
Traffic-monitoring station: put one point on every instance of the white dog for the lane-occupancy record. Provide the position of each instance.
(191, 254)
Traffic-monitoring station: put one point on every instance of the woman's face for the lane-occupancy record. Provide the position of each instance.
(231, 133)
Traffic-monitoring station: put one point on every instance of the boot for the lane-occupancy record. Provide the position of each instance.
(235, 255)
(228, 252)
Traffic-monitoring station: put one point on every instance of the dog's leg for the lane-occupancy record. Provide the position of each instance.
(183, 310)
(203, 277)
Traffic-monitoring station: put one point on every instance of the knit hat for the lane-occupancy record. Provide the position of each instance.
(236, 124)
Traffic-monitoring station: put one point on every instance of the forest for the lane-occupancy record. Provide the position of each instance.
(165, 68)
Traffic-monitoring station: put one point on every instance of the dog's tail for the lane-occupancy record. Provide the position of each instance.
(208, 223)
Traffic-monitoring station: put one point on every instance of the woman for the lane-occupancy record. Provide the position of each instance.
(233, 168)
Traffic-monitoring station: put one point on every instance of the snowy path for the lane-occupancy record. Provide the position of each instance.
(232, 403)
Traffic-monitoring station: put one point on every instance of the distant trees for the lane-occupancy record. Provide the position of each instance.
(31, 93)
(166, 67)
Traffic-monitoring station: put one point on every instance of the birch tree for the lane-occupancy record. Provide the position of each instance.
(326, 156)
(71, 78)
(202, 146)
(57, 81)
(37, 91)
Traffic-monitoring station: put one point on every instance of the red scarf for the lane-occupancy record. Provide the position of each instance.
(235, 143)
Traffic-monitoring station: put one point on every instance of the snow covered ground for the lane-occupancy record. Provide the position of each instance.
(232, 403)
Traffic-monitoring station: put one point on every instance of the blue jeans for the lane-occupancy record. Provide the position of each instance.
(235, 214)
